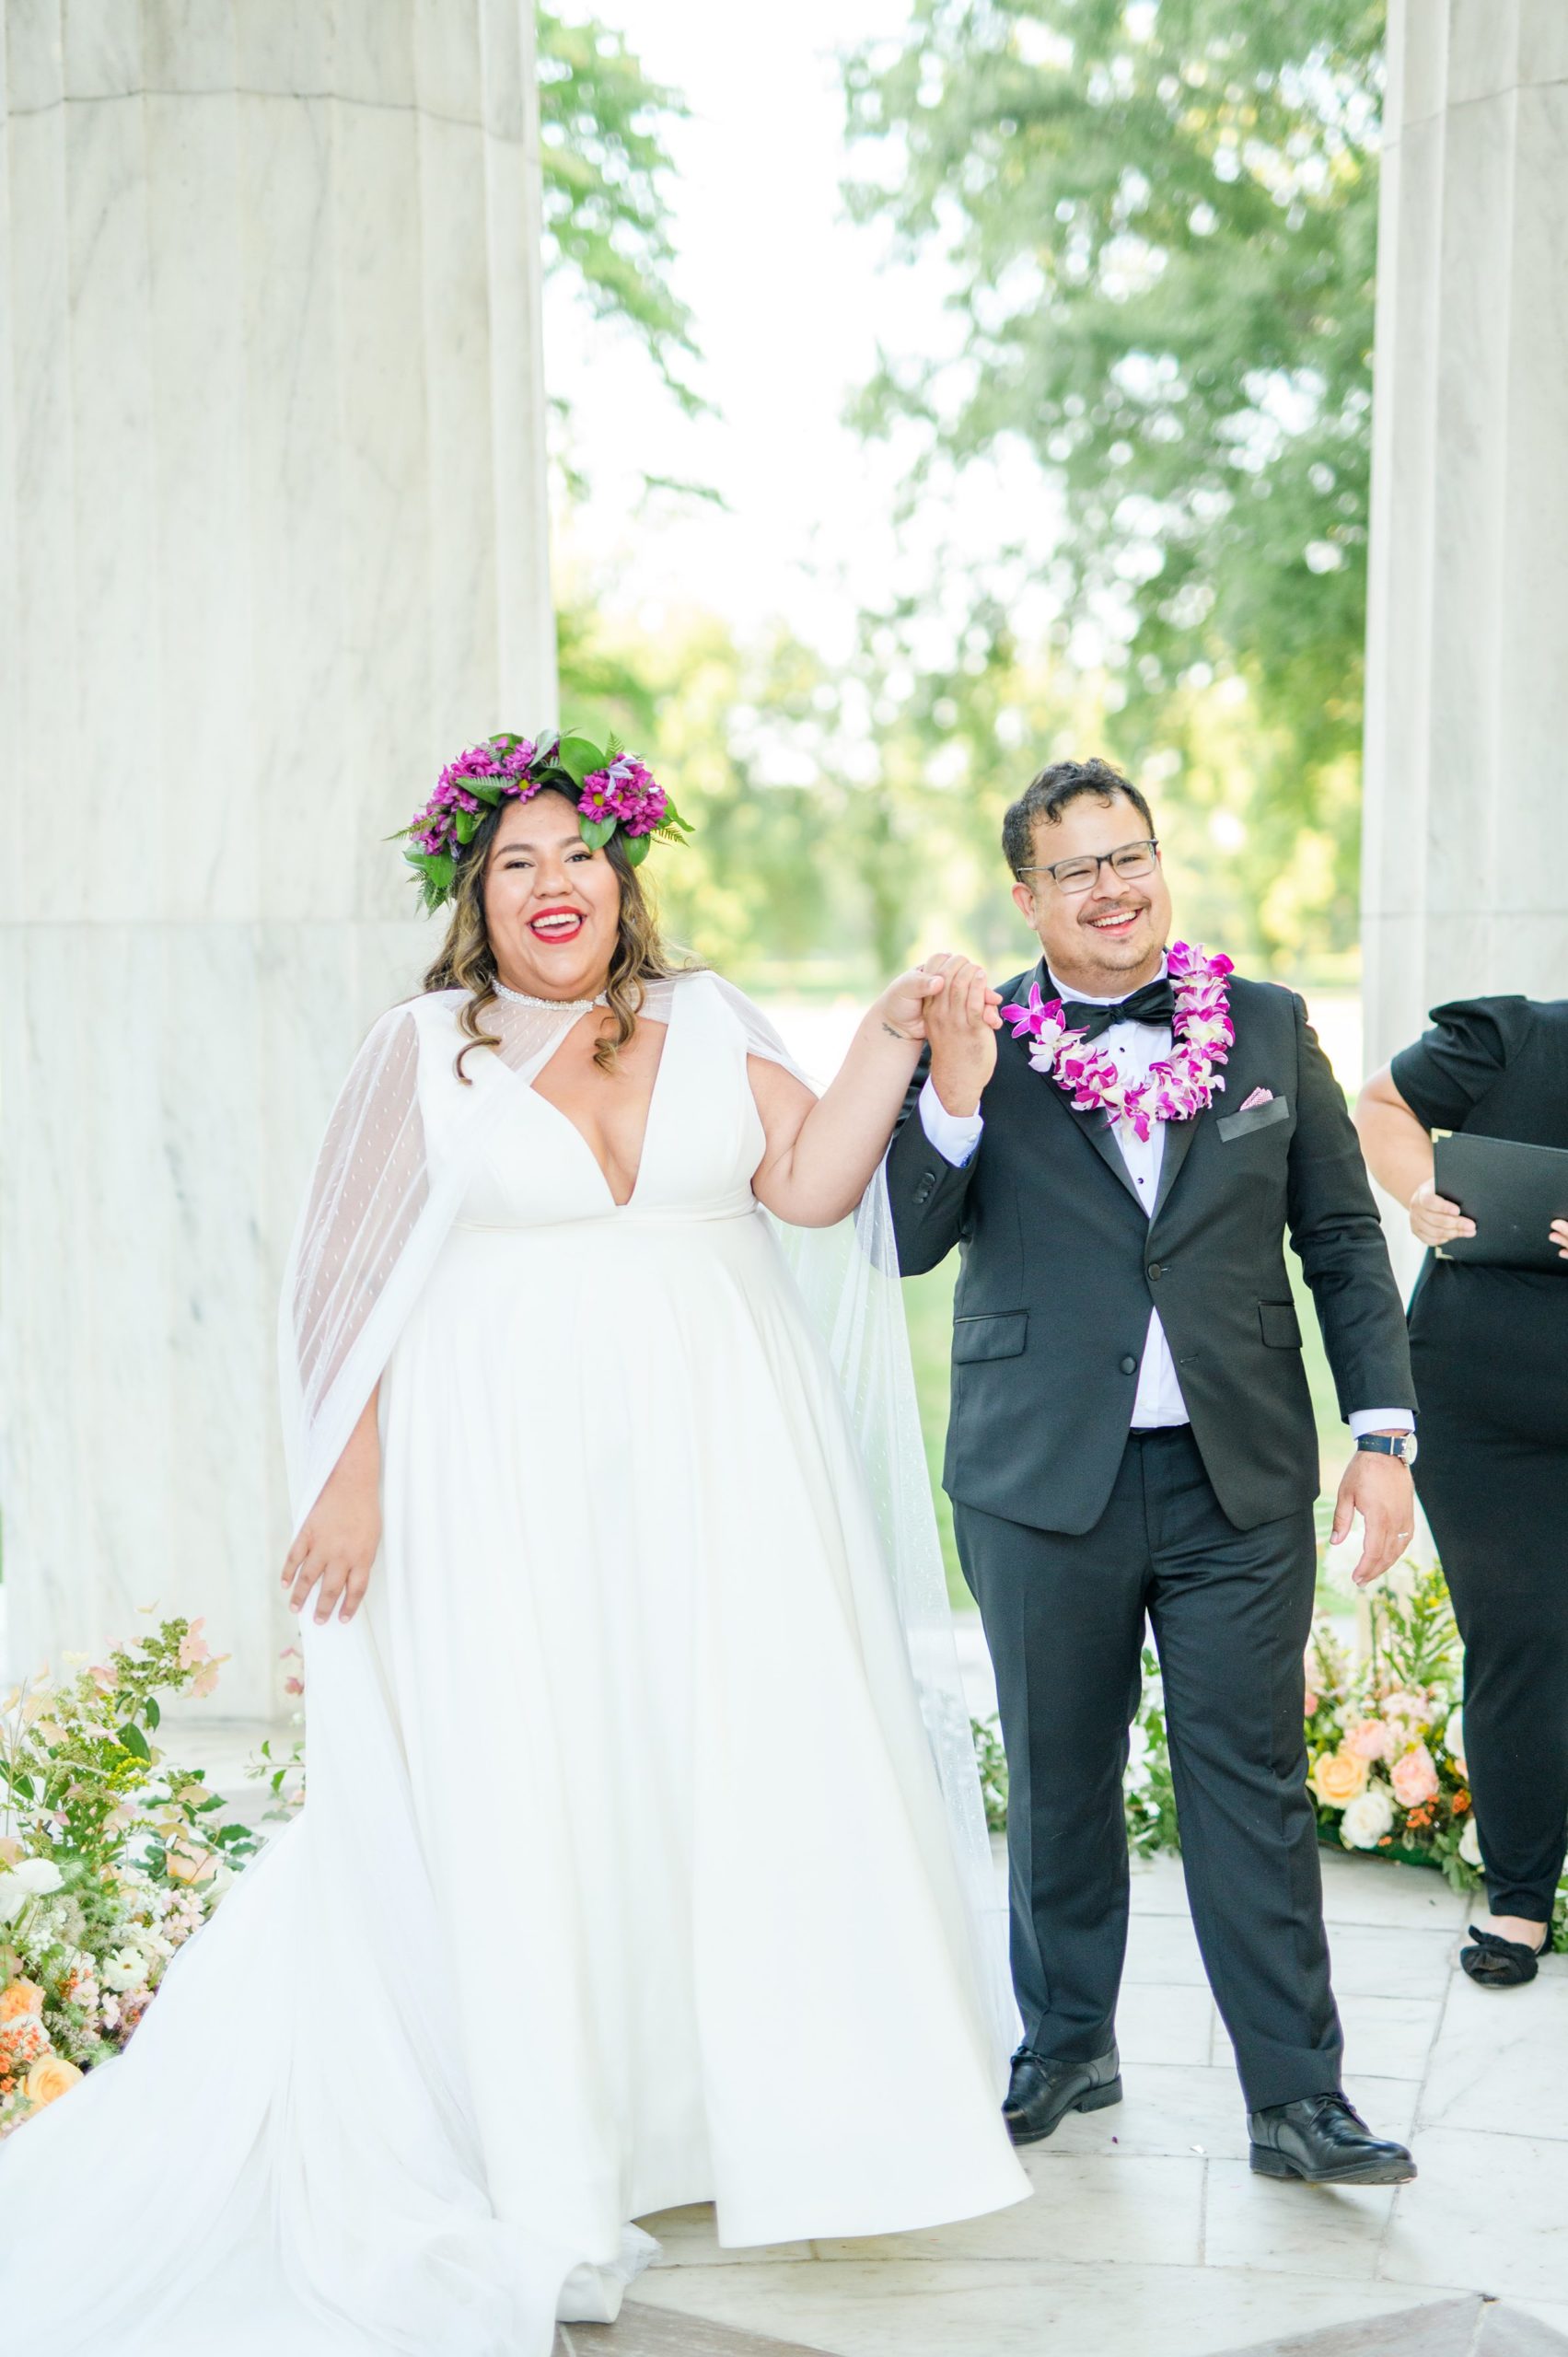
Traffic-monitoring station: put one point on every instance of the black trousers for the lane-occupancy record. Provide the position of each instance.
(1231, 1611)
(1490, 1348)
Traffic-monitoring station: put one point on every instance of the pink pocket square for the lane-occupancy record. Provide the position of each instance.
(1259, 1096)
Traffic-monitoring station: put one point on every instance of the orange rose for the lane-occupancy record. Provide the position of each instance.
(1338, 1777)
(20, 1997)
(50, 2076)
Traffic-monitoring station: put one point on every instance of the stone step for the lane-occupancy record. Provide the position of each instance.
(665, 2332)
(1472, 2327)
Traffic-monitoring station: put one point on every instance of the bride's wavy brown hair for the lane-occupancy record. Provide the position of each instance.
(466, 960)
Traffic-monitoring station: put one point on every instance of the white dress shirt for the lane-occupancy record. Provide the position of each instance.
(1134, 1046)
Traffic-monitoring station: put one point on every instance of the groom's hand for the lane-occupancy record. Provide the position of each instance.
(961, 1024)
(1380, 1490)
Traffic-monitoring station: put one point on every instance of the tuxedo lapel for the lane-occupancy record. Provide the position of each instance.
(1094, 1126)
(1179, 1137)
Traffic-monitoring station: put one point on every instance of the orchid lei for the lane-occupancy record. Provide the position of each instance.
(1179, 1086)
(610, 787)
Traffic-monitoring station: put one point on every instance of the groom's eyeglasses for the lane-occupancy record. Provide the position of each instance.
(1074, 876)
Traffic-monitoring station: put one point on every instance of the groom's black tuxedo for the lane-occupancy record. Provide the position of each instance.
(1072, 1527)
(1061, 1264)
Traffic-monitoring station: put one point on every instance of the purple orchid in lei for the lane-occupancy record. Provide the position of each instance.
(1177, 1087)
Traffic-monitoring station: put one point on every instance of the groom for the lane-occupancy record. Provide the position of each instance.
(1132, 1434)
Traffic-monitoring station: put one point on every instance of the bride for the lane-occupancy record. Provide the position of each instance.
(642, 1862)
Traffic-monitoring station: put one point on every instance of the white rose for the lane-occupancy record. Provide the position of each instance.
(123, 1968)
(1469, 1844)
(1368, 1817)
(1454, 1740)
(34, 1878)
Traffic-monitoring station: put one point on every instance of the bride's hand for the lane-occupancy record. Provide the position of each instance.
(905, 1004)
(334, 1552)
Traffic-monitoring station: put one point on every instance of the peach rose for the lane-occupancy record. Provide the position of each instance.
(20, 1997)
(1370, 1739)
(50, 2076)
(1414, 1778)
(190, 1865)
(1338, 1777)
(10, 1850)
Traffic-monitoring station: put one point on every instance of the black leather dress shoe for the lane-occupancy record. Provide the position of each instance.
(1323, 2142)
(1045, 2089)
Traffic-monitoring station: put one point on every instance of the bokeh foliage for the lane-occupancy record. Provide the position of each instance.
(1158, 218)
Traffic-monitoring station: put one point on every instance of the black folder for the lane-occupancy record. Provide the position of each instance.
(1512, 1192)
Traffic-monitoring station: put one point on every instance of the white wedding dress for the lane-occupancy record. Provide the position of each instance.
(624, 1880)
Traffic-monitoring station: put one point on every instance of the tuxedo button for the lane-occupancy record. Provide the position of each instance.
(1129, 1365)
(1154, 1270)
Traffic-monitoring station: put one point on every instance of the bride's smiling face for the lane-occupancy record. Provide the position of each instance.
(551, 902)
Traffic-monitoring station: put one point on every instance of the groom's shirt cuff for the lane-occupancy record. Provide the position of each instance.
(1380, 1420)
(955, 1136)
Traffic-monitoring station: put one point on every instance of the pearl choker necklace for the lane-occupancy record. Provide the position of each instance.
(557, 1005)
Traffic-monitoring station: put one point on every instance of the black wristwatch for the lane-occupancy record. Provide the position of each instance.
(1399, 1445)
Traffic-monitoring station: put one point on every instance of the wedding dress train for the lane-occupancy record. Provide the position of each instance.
(624, 1880)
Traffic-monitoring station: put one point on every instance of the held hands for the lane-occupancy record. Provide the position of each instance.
(1558, 1233)
(1434, 1220)
(1380, 1490)
(335, 1549)
(960, 1020)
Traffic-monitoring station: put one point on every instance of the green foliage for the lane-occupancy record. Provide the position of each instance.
(603, 127)
(1160, 222)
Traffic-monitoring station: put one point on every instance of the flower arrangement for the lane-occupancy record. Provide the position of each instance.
(612, 789)
(1176, 1088)
(1385, 1746)
(1385, 1736)
(109, 1858)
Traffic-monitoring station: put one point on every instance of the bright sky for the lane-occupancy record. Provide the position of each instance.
(789, 304)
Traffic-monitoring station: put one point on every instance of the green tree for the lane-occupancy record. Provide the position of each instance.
(1160, 219)
(603, 128)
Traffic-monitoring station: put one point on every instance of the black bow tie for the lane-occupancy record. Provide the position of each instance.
(1156, 1003)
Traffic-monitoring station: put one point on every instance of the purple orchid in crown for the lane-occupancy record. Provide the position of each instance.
(613, 791)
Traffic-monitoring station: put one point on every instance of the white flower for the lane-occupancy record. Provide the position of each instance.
(123, 1968)
(1454, 1740)
(1469, 1844)
(34, 1878)
(1368, 1817)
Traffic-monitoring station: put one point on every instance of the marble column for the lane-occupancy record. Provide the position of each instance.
(272, 542)
(1466, 878)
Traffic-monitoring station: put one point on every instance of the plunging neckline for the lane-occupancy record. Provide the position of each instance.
(562, 1115)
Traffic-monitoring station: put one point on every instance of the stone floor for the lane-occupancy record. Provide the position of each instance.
(1148, 2234)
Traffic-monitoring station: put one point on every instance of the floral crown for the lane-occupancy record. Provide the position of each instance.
(611, 788)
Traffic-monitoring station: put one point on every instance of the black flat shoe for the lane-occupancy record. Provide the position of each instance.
(1496, 1963)
(1045, 2089)
(1322, 2141)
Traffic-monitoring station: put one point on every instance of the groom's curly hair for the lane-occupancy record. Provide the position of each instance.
(1047, 796)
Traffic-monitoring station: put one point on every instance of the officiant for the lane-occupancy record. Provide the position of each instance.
(1489, 1344)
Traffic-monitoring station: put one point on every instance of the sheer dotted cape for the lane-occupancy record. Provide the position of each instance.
(394, 1165)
